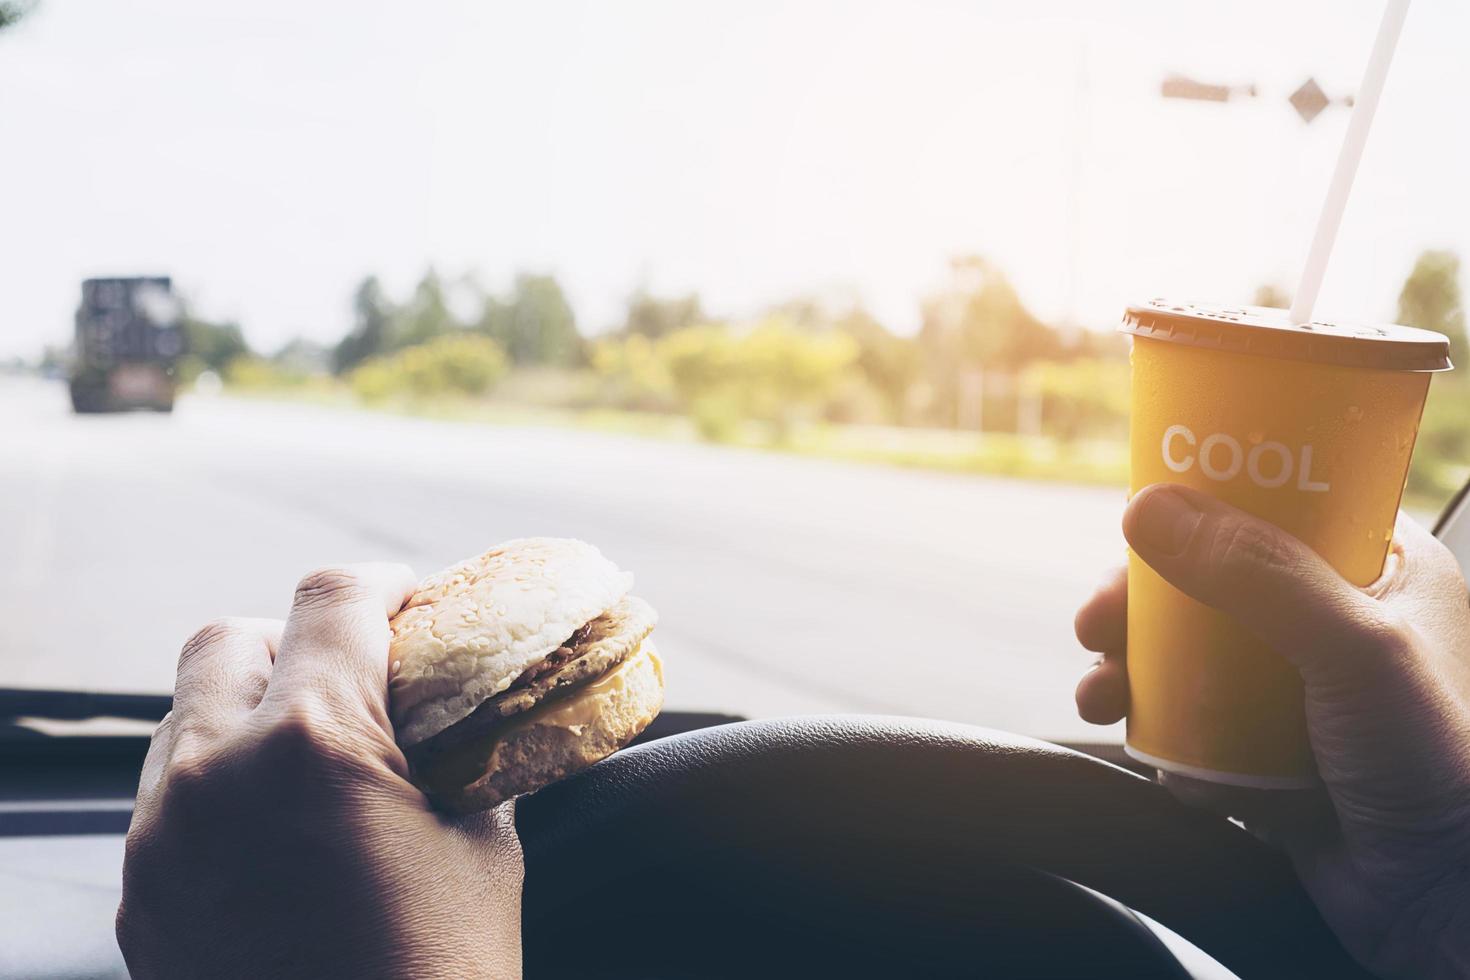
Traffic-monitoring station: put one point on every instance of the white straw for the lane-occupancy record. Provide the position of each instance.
(1347, 161)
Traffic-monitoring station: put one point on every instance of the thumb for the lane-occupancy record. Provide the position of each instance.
(1256, 573)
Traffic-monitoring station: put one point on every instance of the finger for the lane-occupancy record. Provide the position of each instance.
(1420, 567)
(1259, 575)
(335, 642)
(160, 748)
(1102, 622)
(1102, 626)
(223, 671)
(1102, 694)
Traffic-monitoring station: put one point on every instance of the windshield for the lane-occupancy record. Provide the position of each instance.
(803, 312)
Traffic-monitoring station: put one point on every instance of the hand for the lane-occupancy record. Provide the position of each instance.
(275, 832)
(1385, 849)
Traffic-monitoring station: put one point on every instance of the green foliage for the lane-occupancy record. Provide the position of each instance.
(249, 371)
(372, 318)
(650, 316)
(52, 359)
(1431, 299)
(11, 11)
(1082, 398)
(772, 374)
(806, 313)
(633, 373)
(800, 364)
(891, 364)
(980, 322)
(213, 345)
(303, 357)
(857, 401)
(977, 323)
(461, 363)
(692, 370)
(425, 316)
(536, 326)
(1442, 452)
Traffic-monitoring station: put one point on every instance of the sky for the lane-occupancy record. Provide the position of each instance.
(270, 155)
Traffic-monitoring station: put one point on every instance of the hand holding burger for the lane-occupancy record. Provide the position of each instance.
(517, 668)
(279, 830)
(276, 833)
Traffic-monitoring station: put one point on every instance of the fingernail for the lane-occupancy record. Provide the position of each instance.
(1165, 522)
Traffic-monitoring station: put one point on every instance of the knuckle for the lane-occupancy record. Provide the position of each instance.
(167, 724)
(207, 636)
(144, 855)
(135, 927)
(1241, 550)
(139, 859)
(325, 587)
(124, 928)
(304, 737)
(187, 778)
(191, 777)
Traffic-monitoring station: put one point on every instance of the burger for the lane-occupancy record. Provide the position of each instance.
(517, 668)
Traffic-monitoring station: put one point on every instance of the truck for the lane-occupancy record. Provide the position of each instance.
(129, 338)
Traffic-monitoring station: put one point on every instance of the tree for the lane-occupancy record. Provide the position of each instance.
(212, 345)
(888, 361)
(806, 313)
(1431, 299)
(372, 317)
(302, 357)
(773, 374)
(53, 360)
(650, 316)
(11, 11)
(537, 326)
(974, 328)
(978, 321)
(425, 316)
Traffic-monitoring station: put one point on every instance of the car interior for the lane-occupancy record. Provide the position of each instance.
(926, 849)
(807, 315)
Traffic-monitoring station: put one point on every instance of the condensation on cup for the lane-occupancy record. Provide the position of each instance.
(1309, 426)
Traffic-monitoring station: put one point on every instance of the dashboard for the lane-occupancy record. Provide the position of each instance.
(65, 805)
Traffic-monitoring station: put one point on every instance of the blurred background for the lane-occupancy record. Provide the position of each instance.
(803, 311)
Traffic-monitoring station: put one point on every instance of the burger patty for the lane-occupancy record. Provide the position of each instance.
(587, 654)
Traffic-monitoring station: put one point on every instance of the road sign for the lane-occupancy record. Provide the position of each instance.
(1179, 87)
(1309, 100)
(1184, 87)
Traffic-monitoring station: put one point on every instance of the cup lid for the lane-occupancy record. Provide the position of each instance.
(1270, 333)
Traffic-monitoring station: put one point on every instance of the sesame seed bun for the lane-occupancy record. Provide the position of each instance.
(468, 632)
(519, 667)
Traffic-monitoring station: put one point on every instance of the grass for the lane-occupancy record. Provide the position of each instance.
(488, 412)
(998, 454)
(994, 453)
(1096, 462)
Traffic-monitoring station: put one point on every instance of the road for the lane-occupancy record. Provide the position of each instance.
(784, 584)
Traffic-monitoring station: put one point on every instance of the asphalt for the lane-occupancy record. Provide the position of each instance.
(784, 584)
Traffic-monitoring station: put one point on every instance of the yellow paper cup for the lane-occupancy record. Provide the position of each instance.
(1307, 426)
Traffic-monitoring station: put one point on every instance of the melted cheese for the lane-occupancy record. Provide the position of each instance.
(574, 712)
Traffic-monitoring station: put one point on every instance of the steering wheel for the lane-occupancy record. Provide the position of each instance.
(854, 845)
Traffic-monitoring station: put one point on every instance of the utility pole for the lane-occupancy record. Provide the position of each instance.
(1308, 101)
(1081, 121)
